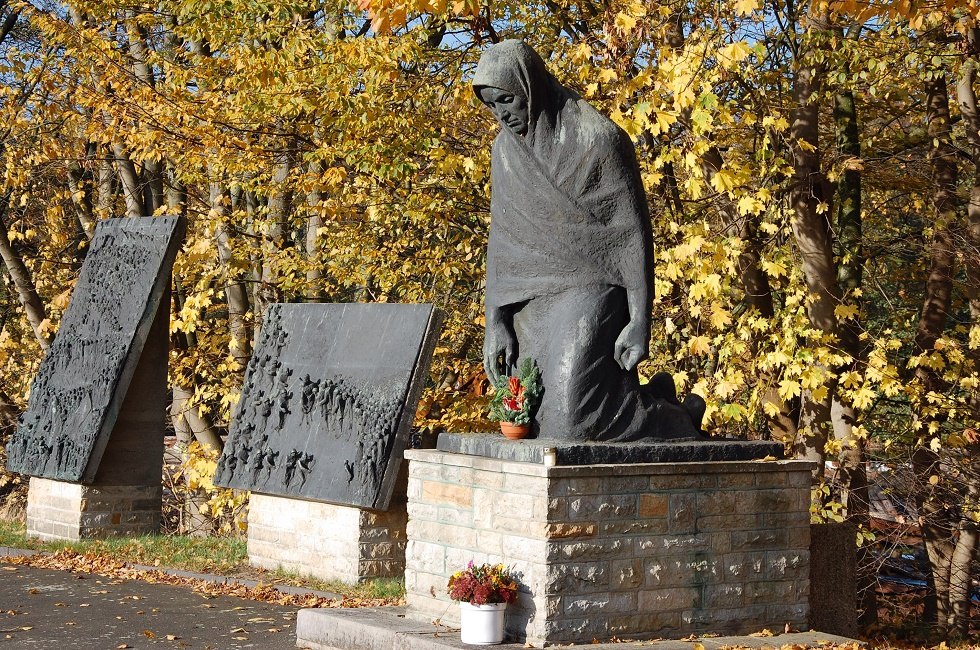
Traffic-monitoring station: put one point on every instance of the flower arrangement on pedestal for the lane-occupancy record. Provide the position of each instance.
(515, 399)
(483, 593)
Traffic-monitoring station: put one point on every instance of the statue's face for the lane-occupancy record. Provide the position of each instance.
(510, 110)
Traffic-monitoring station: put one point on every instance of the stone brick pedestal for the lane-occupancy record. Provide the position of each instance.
(57, 510)
(631, 551)
(331, 542)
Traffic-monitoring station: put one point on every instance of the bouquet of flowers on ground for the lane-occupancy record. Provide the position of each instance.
(483, 585)
(516, 397)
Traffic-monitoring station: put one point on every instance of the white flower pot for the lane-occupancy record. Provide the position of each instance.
(481, 624)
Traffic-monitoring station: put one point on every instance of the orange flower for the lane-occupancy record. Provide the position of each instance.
(514, 384)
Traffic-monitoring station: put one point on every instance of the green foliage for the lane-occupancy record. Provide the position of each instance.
(516, 398)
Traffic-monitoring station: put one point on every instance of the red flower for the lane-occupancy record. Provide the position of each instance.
(514, 385)
(513, 403)
(481, 594)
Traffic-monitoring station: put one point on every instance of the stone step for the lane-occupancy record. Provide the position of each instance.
(388, 629)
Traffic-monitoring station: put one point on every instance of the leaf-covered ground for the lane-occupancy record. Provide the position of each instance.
(225, 556)
(106, 565)
(897, 628)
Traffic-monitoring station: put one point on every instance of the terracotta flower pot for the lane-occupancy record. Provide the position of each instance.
(513, 431)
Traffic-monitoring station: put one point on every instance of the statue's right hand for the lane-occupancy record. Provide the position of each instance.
(499, 351)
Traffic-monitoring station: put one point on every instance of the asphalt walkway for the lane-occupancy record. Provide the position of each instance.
(59, 610)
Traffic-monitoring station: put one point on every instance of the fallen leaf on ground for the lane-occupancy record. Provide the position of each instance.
(69, 560)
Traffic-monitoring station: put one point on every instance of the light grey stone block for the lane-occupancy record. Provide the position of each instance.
(90, 511)
(327, 541)
(653, 550)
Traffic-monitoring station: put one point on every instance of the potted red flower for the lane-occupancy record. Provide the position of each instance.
(483, 593)
(515, 399)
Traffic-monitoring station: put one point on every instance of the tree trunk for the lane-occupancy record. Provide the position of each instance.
(853, 458)
(129, 176)
(152, 189)
(106, 186)
(189, 426)
(811, 230)
(181, 340)
(961, 571)
(183, 408)
(193, 522)
(933, 514)
(176, 195)
(967, 98)
(23, 281)
(937, 535)
(255, 262)
(81, 180)
(236, 294)
(314, 271)
(280, 204)
(963, 555)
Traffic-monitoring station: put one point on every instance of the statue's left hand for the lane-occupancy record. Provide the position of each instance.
(632, 347)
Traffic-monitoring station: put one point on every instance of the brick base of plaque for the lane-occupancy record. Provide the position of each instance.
(330, 542)
(57, 510)
(629, 551)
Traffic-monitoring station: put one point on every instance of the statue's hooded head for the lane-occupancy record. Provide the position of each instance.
(512, 81)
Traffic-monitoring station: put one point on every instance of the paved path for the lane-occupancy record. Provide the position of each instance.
(58, 610)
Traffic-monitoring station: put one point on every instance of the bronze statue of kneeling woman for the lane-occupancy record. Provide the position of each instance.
(570, 260)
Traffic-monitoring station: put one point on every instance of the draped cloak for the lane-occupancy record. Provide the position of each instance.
(568, 205)
(569, 240)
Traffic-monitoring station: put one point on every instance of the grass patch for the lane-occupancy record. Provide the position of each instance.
(204, 554)
(386, 588)
(374, 588)
(221, 555)
(12, 533)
